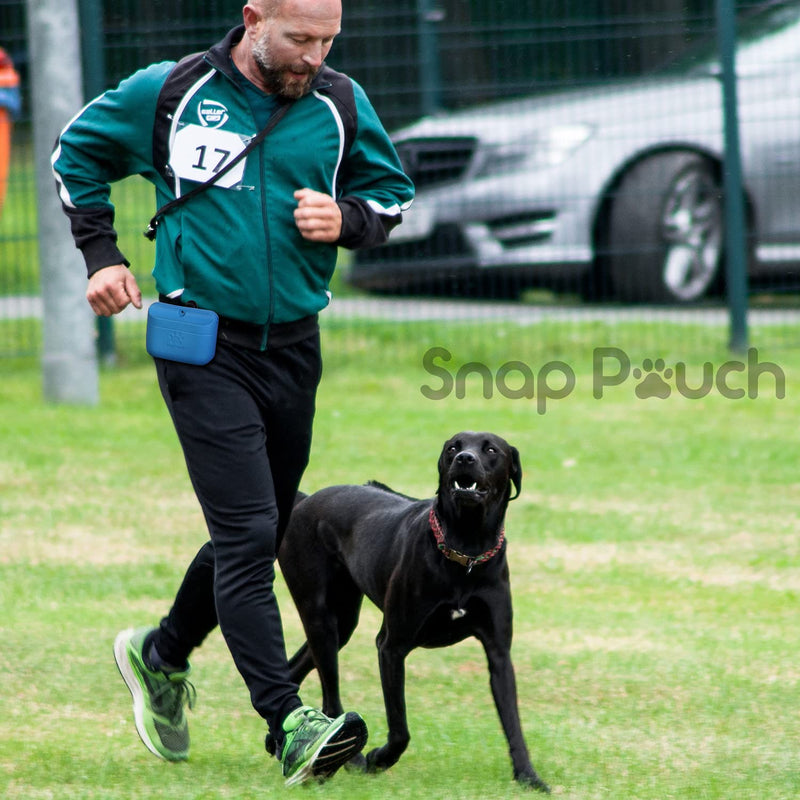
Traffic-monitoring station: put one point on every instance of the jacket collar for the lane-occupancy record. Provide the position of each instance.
(219, 56)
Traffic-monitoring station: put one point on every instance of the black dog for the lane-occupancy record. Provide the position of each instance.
(436, 568)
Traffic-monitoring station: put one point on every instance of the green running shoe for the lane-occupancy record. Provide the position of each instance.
(316, 745)
(158, 698)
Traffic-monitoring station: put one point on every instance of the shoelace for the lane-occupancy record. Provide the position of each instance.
(182, 692)
(315, 719)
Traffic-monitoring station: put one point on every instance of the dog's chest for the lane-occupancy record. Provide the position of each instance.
(447, 622)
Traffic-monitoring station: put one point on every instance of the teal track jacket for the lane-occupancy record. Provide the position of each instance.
(234, 248)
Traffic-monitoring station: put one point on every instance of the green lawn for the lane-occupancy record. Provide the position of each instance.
(654, 559)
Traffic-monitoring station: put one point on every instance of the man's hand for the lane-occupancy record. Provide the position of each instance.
(317, 216)
(111, 289)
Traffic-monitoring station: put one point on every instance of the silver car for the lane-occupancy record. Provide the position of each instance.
(615, 189)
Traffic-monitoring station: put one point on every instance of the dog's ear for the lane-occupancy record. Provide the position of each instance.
(516, 472)
(440, 463)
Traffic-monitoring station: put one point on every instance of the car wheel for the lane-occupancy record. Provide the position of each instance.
(665, 232)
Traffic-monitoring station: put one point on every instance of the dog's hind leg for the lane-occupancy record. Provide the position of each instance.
(328, 633)
(300, 664)
(328, 629)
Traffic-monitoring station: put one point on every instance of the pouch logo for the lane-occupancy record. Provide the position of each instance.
(212, 114)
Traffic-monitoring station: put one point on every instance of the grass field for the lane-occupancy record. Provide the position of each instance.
(654, 557)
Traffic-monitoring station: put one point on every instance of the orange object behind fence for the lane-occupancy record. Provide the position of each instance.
(9, 108)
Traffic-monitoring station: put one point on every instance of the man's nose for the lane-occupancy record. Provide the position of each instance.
(313, 55)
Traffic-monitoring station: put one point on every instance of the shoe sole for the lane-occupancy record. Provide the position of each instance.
(338, 747)
(137, 693)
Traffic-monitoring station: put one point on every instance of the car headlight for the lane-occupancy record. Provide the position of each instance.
(545, 148)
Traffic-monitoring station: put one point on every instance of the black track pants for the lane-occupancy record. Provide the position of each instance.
(244, 421)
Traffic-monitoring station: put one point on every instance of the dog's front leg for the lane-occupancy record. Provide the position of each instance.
(504, 691)
(391, 660)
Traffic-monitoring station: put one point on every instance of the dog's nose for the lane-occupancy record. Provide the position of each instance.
(465, 457)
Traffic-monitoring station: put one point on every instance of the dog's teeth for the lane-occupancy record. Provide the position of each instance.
(474, 487)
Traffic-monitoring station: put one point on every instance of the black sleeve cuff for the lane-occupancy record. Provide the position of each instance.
(361, 226)
(101, 253)
(94, 235)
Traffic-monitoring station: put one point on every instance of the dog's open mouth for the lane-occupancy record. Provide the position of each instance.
(466, 486)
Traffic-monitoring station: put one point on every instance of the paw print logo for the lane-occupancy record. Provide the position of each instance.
(652, 375)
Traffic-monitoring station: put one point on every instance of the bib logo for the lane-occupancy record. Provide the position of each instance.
(212, 114)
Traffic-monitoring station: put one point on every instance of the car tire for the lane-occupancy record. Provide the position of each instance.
(664, 242)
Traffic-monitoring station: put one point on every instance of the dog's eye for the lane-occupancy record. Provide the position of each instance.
(491, 449)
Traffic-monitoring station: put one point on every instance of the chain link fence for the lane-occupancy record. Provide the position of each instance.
(594, 191)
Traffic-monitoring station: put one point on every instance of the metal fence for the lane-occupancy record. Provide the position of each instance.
(586, 82)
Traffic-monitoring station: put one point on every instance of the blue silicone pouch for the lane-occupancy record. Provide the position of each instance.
(181, 333)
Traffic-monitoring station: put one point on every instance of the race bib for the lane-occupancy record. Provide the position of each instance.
(199, 153)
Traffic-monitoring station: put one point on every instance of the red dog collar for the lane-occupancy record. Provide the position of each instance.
(453, 555)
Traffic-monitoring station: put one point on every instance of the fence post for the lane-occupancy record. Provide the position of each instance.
(428, 17)
(735, 225)
(69, 360)
(90, 14)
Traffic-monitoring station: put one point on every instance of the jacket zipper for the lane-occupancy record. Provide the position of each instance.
(263, 191)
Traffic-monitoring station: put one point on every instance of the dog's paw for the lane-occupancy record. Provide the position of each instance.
(532, 781)
(358, 763)
(373, 761)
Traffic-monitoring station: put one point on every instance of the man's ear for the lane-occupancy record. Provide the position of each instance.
(251, 16)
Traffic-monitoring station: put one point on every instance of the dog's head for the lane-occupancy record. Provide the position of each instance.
(478, 468)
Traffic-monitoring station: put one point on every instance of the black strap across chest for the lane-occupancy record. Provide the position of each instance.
(150, 232)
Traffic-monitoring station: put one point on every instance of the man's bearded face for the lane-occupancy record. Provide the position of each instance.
(289, 79)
